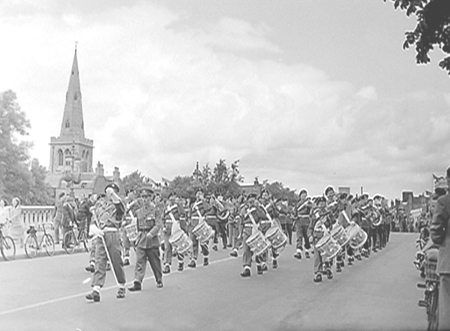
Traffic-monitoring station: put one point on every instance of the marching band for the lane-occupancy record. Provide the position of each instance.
(334, 227)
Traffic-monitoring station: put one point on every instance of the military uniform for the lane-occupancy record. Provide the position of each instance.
(108, 212)
(172, 214)
(270, 213)
(149, 223)
(198, 211)
(320, 223)
(250, 213)
(302, 220)
(131, 207)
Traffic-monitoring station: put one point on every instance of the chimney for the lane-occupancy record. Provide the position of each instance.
(116, 174)
(99, 169)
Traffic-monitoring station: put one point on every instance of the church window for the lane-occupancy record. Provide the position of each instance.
(82, 154)
(60, 158)
(87, 155)
(67, 124)
(75, 96)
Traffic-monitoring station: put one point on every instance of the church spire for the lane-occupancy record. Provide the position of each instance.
(72, 124)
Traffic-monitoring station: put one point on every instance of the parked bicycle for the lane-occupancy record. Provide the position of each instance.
(431, 286)
(33, 245)
(73, 238)
(7, 246)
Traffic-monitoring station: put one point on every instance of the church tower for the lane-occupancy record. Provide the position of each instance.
(71, 151)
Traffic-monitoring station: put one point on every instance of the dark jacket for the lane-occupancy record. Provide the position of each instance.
(440, 233)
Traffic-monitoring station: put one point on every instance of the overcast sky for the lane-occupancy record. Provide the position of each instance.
(308, 93)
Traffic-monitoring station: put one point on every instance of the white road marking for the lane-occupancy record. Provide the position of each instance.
(48, 302)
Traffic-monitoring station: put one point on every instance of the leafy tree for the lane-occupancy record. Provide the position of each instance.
(40, 192)
(279, 191)
(183, 186)
(205, 178)
(432, 29)
(15, 177)
(134, 181)
(221, 172)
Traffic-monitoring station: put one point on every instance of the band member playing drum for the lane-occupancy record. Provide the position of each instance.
(223, 213)
(198, 211)
(284, 217)
(378, 224)
(270, 218)
(302, 219)
(107, 213)
(251, 214)
(320, 225)
(131, 206)
(365, 222)
(171, 221)
(149, 222)
(356, 216)
(343, 221)
(211, 218)
(235, 224)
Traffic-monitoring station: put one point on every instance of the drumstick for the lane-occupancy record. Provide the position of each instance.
(106, 249)
(109, 258)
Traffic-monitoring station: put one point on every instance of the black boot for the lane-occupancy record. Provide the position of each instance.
(246, 273)
(93, 296)
(180, 266)
(259, 270)
(166, 269)
(274, 264)
(136, 287)
(317, 278)
(192, 264)
(205, 261)
(234, 253)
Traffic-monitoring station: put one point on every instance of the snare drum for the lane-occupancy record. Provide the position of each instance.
(203, 231)
(277, 238)
(258, 243)
(181, 241)
(356, 235)
(328, 247)
(338, 233)
(131, 231)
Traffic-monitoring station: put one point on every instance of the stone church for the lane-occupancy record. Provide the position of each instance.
(71, 154)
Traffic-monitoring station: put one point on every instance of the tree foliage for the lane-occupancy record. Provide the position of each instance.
(134, 181)
(40, 192)
(278, 190)
(15, 176)
(432, 29)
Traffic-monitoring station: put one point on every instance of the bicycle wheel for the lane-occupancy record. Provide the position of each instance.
(433, 311)
(8, 248)
(70, 242)
(48, 244)
(84, 240)
(31, 246)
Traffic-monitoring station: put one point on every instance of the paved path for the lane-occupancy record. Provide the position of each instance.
(379, 293)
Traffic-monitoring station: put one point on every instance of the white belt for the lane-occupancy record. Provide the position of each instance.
(107, 229)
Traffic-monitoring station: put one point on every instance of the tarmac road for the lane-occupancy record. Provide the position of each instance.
(379, 293)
